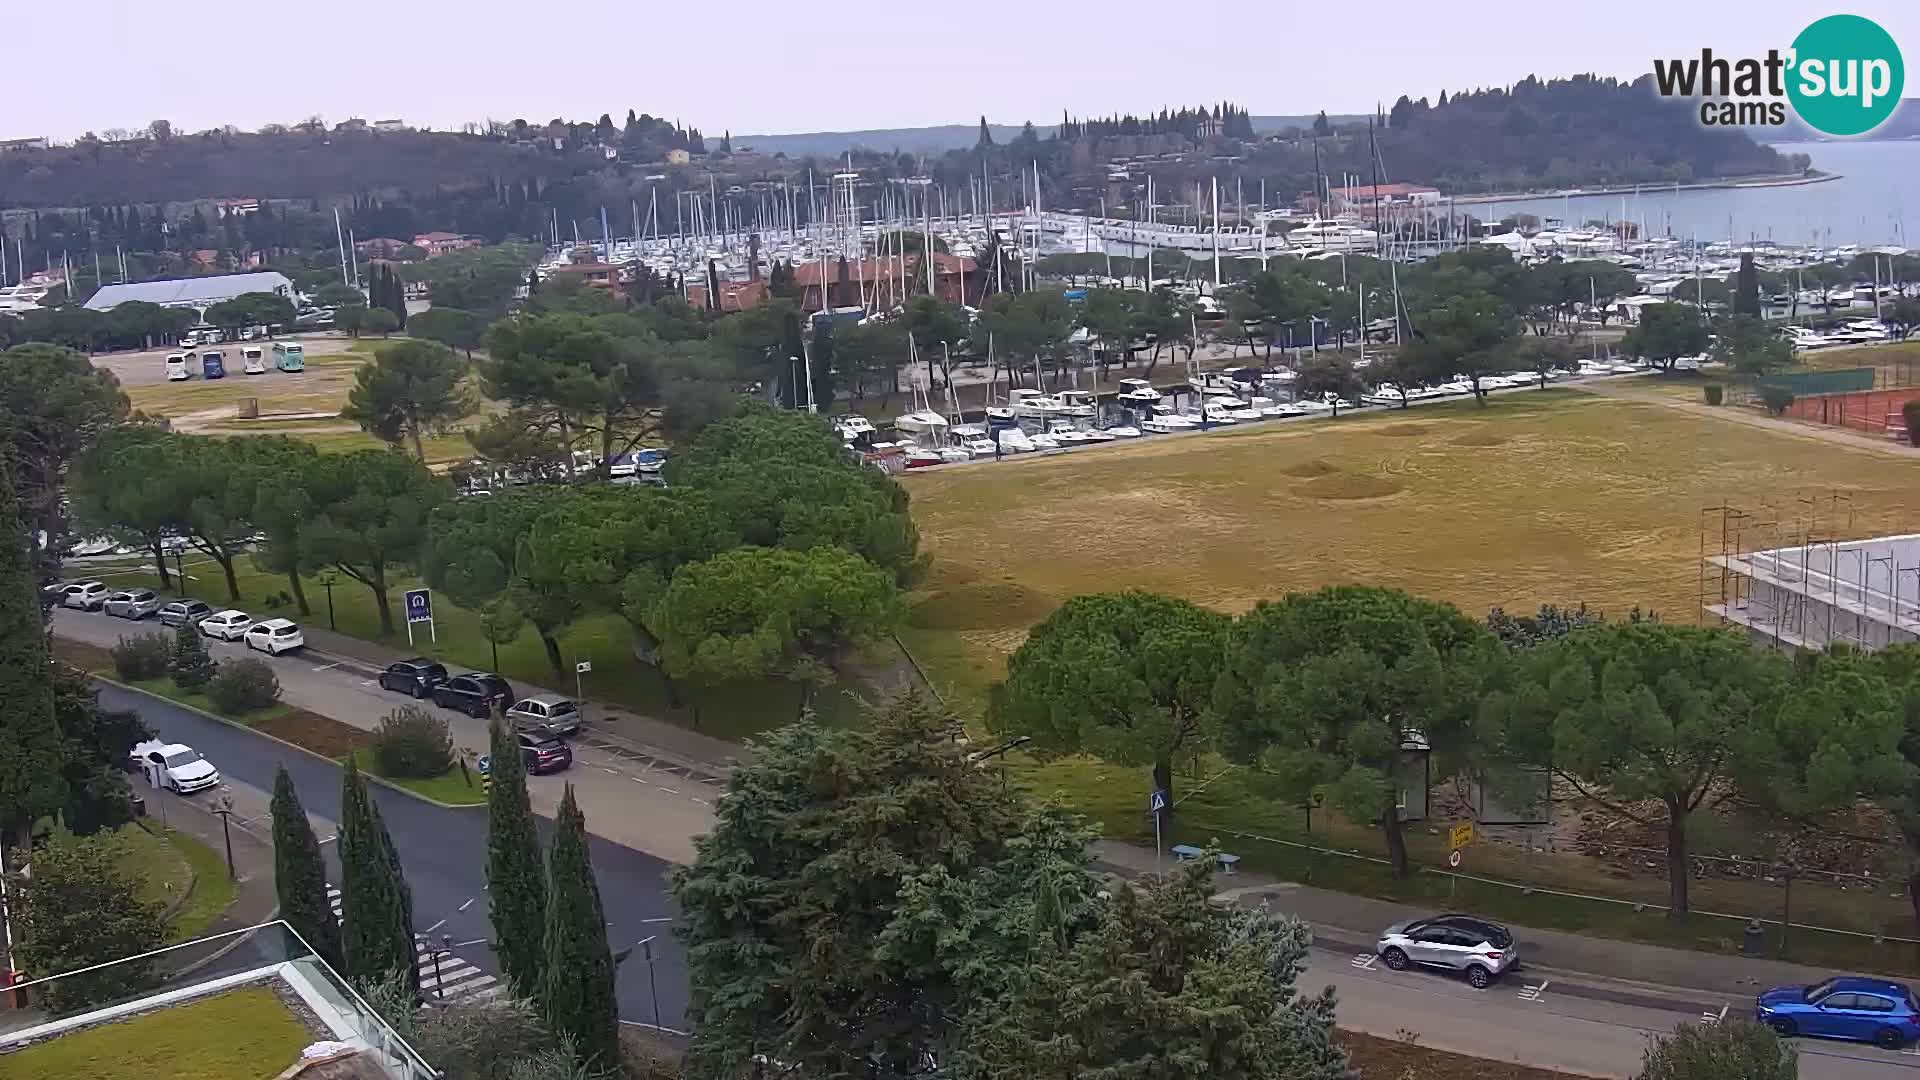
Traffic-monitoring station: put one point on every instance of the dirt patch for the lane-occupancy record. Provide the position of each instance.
(1395, 1059)
(83, 656)
(1351, 486)
(982, 605)
(1480, 438)
(1404, 430)
(321, 734)
(1307, 470)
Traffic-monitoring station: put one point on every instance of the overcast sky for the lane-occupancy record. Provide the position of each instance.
(823, 66)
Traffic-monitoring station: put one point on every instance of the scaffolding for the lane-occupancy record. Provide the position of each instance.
(1792, 576)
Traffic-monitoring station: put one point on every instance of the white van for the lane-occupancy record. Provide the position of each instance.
(177, 369)
(256, 360)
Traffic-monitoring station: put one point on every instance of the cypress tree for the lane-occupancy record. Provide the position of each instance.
(376, 907)
(192, 668)
(576, 990)
(396, 298)
(32, 774)
(516, 883)
(299, 877)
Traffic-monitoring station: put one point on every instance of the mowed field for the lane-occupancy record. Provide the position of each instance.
(1554, 497)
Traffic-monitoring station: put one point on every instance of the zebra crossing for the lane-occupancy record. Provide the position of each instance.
(450, 979)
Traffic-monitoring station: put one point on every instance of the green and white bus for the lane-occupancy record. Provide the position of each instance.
(289, 356)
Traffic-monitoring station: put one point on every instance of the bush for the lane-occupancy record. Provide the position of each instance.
(243, 686)
(1734, 1050)
(1713, 391)
(191, 667)
(412, 742)
(1911, 413)
(142, 658)
(1776, 399)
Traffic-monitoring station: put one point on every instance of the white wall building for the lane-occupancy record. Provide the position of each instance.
(198, 293)
(1865, 593)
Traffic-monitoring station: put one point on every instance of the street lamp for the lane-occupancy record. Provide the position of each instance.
(653, 987)
(225, 810)
(326, 582)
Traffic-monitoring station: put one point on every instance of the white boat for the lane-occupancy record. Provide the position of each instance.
(1321, 236)
(1124, 431)
(955, 454)
(925, 424)
(852, 428)
(1138, 392)
(1098, 436)
(1162, 425)
(1015, 441)
(981, 447)
(920, 458)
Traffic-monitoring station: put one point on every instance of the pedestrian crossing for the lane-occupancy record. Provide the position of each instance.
(452, 980)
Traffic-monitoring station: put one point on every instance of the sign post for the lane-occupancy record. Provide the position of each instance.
(419, 604)
(579, 669)
(1458, 837)
(1157, 805)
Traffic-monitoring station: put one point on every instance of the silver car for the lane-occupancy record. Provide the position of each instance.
(133, 603)
(1480, 949)
(546, 714)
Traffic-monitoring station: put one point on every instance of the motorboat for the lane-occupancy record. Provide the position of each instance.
(1069, 437)
(1322, 236)
(1044, 441)
(1138, 392)
(1015, 441)
(1162, 425)
(853, 428)
(920, 457)
(980, 447)
(923, 424)
(1098, 436)
(1123, 431)
(1034, 403)
(1078, 403)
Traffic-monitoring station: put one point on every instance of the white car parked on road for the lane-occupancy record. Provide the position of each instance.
(85, 595)
(175, 766)
(275, 636)
(229, 625)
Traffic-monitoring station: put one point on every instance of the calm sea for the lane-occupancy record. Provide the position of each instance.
(1880, 183)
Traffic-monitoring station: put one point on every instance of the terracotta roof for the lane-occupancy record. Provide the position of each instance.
(878, 268)
(436, 237)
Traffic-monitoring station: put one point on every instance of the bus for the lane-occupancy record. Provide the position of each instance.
(289, 356)
(254, 360)
(213, 364)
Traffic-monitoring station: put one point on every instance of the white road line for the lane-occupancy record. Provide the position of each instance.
(663, 918)
(671, 791)
(657, 1027)
(1365, 961)
(469, 903)
(434, 927)
(637, 780)
(1711, 1017)
(328, 667)
(475, 941)
(609, 772)
(1534, 993)
(700, 800)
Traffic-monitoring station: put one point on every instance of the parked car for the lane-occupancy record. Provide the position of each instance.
(184, 612)
(229, 625)
(174, 766)
(546, 714)
(54, 590)
(544, 754)
(84, 595)
(417, 676)
(473, 693)
(133, 603)
(1863, 1010)
(1480, 949)
(275, 636)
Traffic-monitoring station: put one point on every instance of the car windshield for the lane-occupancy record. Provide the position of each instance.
(182, 757)
(1820, 990)
(560, 708)
(285, 631)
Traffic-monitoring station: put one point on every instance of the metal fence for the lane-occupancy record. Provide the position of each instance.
(1808, 383)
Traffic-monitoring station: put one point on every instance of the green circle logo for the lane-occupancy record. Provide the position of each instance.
(1846, 76)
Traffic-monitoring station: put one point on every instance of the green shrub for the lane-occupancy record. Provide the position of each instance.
(141, 658)
(243, 685)
(412, 742)
(1777, 399)
(1714, 392)
(191, 667)
(1911, 413)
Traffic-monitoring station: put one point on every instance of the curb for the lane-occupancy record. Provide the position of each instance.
(380, 780)
(193, 877)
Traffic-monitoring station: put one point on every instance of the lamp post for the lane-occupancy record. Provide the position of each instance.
(180, 568)
(645, 945)
(326, 582)
(225, 810)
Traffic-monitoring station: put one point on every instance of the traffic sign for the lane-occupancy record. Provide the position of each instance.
(484, 765)
(419, 606)
(1460, 836)
(583, 667)
(1157, 801)
(1453, 857)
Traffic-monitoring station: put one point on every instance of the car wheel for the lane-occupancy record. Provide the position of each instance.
(1888, 1039)
(1782, 1027)
(419, 692)
(477, 710)
(1395, 959)
(1478, 977)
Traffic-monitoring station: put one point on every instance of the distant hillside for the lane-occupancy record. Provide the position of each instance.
(1903, 124)
(941, 138)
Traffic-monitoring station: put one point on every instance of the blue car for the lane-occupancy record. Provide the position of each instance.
(1858, 1009)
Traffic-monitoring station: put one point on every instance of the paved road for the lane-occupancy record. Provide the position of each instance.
(654, 806)
(443, 852)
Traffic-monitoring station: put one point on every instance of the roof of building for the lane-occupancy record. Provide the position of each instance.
(437, 237)
(210, 289)
(1368, 191)
(879, 268)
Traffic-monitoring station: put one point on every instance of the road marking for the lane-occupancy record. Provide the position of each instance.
(700, 800)
(328, 667)
(1711, 1017)
(1365, 961)
(366, 682)
(1534, 993)
(671, 791)
(637, 780)
(657, 1027)
(609, 772)
(468, 904)
(475, 941)
(661, 919)
(434, 927)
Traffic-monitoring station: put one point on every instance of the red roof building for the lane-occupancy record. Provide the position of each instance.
(885, 277)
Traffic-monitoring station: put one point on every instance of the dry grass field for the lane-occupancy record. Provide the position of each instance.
(1554, 497)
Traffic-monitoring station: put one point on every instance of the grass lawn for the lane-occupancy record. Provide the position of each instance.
(164, 687)
(244, 1034)
(168, 861)
(449, 787)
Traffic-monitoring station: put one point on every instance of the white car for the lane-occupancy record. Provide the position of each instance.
(228, 625)
(85, 595)
(174, 766)
(275, 636)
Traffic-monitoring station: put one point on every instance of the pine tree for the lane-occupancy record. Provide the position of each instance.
(576, 990)
(192, 669)
(299, 876)
(986, 134)
(32, 780)
(376, 907)
(516, 883)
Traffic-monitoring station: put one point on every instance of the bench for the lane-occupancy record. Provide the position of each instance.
(1184, 852)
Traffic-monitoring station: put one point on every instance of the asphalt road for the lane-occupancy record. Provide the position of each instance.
(444, 854)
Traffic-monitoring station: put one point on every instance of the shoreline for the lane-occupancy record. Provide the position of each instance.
(1646, 189)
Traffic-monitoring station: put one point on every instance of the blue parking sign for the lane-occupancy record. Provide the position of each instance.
(419, 606)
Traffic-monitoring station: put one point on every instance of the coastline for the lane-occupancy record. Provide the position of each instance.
(1784, 180)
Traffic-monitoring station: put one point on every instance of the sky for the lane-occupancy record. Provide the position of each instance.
(753, 67)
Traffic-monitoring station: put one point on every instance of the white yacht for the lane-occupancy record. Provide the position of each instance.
(1321, 235)
(1138, 392)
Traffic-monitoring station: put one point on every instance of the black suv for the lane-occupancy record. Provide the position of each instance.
(543, 754)
(417, 676)
(473, 693)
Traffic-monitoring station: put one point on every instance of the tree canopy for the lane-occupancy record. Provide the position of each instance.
(411, 389)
